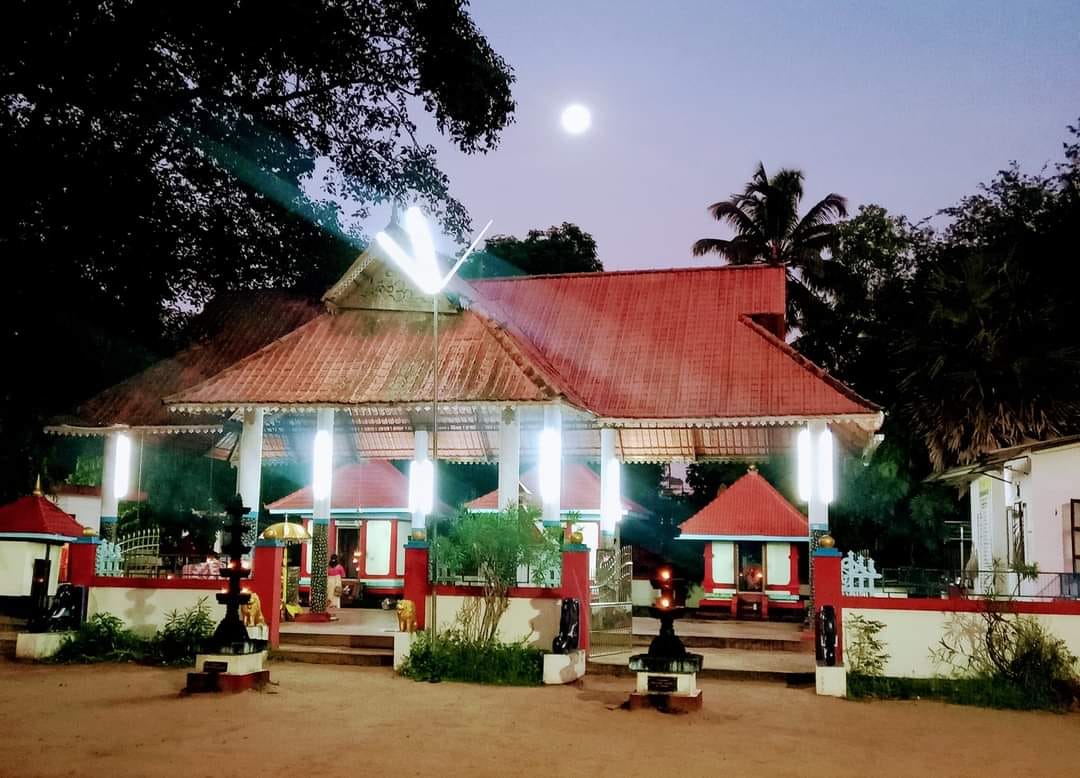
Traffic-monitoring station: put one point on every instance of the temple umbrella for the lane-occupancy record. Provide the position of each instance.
(289, 533)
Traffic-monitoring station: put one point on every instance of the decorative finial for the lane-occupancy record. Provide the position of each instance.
(752, 468)
(826, 541)
(37, 486)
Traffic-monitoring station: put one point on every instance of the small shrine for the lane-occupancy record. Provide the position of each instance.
(755, 549)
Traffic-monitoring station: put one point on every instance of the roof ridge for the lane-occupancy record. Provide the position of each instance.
(806, 364)
(633, 271)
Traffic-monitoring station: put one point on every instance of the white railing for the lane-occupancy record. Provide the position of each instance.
(858, 575)
(136, 551)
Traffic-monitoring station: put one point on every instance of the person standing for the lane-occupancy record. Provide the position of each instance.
(334, 575)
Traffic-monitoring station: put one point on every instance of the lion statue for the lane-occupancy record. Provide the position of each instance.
(252, 613)
(406, 616)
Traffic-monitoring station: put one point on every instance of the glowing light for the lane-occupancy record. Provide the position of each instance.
(825, 466)
(550, 464)
(665, 574)
(320, 479)
(805, 465)
(421, 486)
(122, 466)
(422, 266)
(576, 119)
(665, 602)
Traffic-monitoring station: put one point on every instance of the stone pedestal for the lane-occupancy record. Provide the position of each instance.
(564, 668)
(402, 646)
(668, 684)
(831, 681)
(35, 646)
(234, 671)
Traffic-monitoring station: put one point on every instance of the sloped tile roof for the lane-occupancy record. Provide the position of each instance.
(232, 326)
(373, 484)
(750, 507)
(580, 491)
(38, 516)
(671, 344)
(370, 356)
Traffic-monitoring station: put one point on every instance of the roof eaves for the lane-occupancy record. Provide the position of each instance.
(815, 370)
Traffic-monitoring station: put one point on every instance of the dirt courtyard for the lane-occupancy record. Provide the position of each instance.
(112, 720)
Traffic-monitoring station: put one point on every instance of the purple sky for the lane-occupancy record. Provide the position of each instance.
(909, 105)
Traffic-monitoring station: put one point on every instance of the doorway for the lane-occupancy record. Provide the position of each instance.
(348, 541)
(751, 572)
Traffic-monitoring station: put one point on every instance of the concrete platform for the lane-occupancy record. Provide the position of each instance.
(707, 633)
(335, 655)
(729, 664)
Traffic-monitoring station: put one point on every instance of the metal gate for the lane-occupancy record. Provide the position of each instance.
(610, 614)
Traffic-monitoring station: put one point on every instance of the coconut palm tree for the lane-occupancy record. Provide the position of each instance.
(768, 230)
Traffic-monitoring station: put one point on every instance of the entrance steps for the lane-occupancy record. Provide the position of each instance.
(334, 648)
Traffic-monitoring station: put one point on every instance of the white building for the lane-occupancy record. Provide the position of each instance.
(1025, 507)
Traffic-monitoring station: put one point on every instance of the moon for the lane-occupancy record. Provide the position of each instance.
(576, 119)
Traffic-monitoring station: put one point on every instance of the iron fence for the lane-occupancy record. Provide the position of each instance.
(933, 583)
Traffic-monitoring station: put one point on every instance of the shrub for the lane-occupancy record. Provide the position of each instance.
(454, 657)
(101, 638)
(984, 691)
(182, 635)
(863, 649)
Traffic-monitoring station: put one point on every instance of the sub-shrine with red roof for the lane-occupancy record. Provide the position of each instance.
(755, 545)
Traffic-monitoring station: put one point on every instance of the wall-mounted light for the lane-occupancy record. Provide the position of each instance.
(550, 464)
(323, 456)
(421, 486)
(122, 470)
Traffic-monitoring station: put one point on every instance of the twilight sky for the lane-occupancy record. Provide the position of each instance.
(907, 104)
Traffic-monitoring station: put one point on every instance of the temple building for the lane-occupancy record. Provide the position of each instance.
(677, 365)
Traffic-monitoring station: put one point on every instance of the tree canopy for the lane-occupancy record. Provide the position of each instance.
(768, 229)
(162, 153)
(565, 248)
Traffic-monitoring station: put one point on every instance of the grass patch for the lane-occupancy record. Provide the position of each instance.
(986, 692)
(452, 657)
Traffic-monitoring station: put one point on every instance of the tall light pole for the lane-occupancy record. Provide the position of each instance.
(423, 269)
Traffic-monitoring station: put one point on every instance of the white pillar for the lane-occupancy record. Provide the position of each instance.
(417, 483)
(322, 475)
(249, 460)
(509, 458)
(551, 465)
(818, 505)
(115, 478)
(249, 470)
(610, 486)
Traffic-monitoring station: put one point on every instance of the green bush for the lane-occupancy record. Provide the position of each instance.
(181, 637)
(101, 638)
(453, 657)
(104, 638)
(987, 692)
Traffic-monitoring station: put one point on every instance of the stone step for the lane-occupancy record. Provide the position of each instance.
(330, 640)
(7, 645)
(335, 655)
(727, 664)
(797, 644)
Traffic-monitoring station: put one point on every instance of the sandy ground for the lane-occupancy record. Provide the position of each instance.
(338, 721)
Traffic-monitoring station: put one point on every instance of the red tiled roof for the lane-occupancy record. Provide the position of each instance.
(373, 484)
(671, 344)
(750, 507)
(580, 491)
(370, 356)
(36, 515)
(232, 326)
